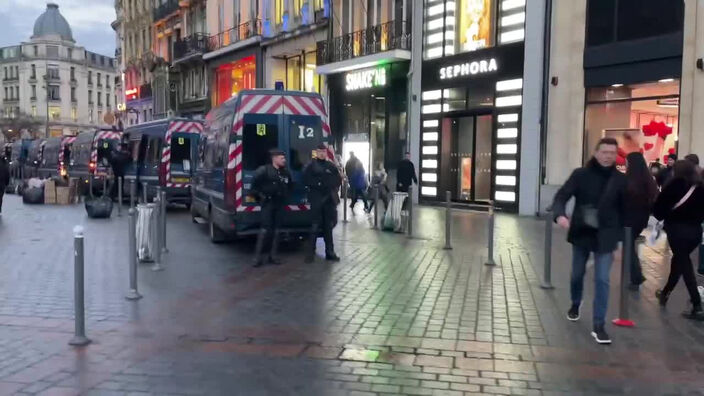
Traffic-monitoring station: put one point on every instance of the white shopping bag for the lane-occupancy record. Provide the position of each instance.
(654, 231)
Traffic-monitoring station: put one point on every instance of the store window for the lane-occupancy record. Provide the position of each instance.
(620, 20)
(641, 117)
(457, 26)
(293, 73)
(55, 112)
(234, 77)
(311, 80)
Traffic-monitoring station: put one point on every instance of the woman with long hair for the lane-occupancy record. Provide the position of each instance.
(639, 197)
(681, 205)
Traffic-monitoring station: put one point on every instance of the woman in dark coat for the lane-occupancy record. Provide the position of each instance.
(681, 206)
(639, 197)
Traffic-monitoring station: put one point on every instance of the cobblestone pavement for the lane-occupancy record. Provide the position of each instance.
(396, 316)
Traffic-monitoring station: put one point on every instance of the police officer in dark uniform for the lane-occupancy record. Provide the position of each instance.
(323, 180)
(271, 184)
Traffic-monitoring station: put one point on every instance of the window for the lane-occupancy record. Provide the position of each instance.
(100, 98)
(55, 112)
(107, 100)
(100, 81)
(6, 76)
(69, 53)
(180, 153)
(311, 80)
(261, 134)
(90, 77)
(73, 94)
(17, 72)
(279, 11)
(34, 91)
(620, 20)
(90, 97)
(73, 73)
(293, 73)
(52, 72)
(107, 81)
(34, 72)
(52, 51)
(153, 156)
(100, 115)
(90, 115)
(34, 110)
(297, 4)
(74, 114)
(54, 92)
(36, 50)
(6, 97)
(306, 134)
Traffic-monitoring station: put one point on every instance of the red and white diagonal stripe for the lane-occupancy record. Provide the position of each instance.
(195, 127)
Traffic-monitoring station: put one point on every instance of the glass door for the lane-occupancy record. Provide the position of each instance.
(467, 142)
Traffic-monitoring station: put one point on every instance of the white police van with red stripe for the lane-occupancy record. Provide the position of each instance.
(236, 141)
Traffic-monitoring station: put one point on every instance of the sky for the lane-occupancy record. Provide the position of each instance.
(89, 20)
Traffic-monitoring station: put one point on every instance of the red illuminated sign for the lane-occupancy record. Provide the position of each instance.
(132, 94)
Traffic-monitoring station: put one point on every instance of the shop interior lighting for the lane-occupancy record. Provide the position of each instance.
(431, 191)
(508, 101)
(515, 19)
(435, 38)
(505, 118)
(506, 196)
(507, 133)
(430, 137)
(434, 24)
(431, 109)
(429, 177)
(617, 85)
(431, 123)
(506, 149)
(430, 150)
(450, 5)
(512, 4)
(505, 180)
(506, 164)
(435, 10)
(433, 53)
(432, 95)
(509, 85)
(431, 164)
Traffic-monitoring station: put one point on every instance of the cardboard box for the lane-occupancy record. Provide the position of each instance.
(50, 192)
(63, 195)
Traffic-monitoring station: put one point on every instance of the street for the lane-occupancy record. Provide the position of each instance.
(395, 316)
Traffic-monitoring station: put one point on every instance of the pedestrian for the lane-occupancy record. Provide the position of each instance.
(323, 181)
(406, 174)
(357, 178)
(639, 196)
(664, 175)
(681, 206)
(379, 182)
(271, 185)
(596, 227)
(4, 179)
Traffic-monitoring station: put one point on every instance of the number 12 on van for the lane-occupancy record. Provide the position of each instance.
(304, 132)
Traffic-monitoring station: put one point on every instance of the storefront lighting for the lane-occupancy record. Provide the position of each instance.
(434, 24)
(429, 191)
(505, 180)
(429, 177)
(450, 22)
(511, 36)
(515, 19)
(666, 80)
(431, 164)
(507, 133)
(506, 164)
(431, 123)
(432, 95)
(506, 149)
(506, 196)
(509, 85)
(430, 137)
(430, 150)
(508, 101)
(433, 53)
(512, 4)
(431, 109)
(436, 10)
(450, 5)
(435, 38)
(617, 85)
(506, 118)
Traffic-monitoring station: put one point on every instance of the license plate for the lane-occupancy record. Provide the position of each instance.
(180, 180)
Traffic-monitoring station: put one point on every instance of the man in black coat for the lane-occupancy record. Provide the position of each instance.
(4, 178)
(406, 174)
(666, 174)
(596, 227)
(119, 160)
(272, 185)
(323, 181)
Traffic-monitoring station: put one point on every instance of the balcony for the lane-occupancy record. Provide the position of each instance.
(165, 10)
(394, 35)
(234, 35)
(195, 44)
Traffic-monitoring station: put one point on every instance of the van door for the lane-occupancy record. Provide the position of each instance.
(260, 133)
(182, 157)
(305, 133)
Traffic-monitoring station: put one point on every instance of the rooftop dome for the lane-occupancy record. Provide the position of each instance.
(52, 24)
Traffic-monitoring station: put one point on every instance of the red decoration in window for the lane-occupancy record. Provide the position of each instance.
(658, 128)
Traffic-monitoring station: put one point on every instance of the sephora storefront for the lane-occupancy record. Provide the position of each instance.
(471, 117)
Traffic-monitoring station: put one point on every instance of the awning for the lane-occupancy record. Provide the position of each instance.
(366, 61)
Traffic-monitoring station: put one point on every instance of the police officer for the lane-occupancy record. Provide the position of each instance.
(271, 184)
(323, 181)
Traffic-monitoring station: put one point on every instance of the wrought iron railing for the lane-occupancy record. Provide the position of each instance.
(165, 9)
(373, 40)
(194, 44)
(238, 33)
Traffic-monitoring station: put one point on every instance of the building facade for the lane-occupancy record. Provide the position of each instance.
(192, 84)
(138, 59)
(53, 80)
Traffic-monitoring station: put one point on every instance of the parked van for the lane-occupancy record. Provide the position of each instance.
(89, 157)
(164, 154)
(19, 154)
(56, 152)
(236, 141)
(34, 158)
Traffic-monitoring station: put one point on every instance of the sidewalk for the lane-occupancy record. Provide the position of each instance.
(395, 316)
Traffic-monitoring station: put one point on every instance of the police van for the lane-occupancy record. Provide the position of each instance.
(56, 154)
(236, 141)
(34, 158)
(164, 153)
(90, 152)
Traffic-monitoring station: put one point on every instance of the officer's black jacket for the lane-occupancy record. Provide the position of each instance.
(271, 184)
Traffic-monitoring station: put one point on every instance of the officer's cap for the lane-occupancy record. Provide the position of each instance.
(322, 146)
(275, 152)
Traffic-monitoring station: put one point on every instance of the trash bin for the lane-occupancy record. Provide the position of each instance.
(147, 232)
(396, 217)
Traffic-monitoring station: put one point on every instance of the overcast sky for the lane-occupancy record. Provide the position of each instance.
(89, 19)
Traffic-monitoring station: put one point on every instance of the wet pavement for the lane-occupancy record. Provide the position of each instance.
(397, 315)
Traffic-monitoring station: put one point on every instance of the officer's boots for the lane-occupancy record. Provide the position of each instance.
(258, 260)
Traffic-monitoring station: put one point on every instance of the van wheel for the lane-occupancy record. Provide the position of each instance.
(194, 213)
(216, 235)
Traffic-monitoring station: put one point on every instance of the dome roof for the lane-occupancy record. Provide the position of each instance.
(52, 23)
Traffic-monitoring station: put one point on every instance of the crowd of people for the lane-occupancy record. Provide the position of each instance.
(607, 200)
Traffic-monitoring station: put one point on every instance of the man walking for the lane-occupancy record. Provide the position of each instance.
(119, 159)
(4, 179)
(357, 179)
(596, 227)
(323, 180)
(271, 184)
(406, 174)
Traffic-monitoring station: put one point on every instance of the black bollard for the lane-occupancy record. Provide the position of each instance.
(490, 248)
(547, 265)
(79, 338)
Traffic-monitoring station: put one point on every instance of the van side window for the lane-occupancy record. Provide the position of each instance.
(154, 151)
(258, 139)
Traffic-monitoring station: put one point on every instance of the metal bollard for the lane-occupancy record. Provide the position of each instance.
(410, 211)
(490, 251)
(448, 220)
(164, 249)
(133, 192)
(547, 266)
(132, 293)
(376, 207)
(627, 250)
(344, 201)
(119, 196)
(79, 337)
(157, 251)
(145, 185)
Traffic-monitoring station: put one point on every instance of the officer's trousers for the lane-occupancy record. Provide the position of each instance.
(269, 231)
(324, 220)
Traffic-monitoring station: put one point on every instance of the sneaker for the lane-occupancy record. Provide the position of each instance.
(601, 336)
(573, 313)
(332, 257)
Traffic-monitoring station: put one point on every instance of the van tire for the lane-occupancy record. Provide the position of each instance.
(194, 213)
(216, 235)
